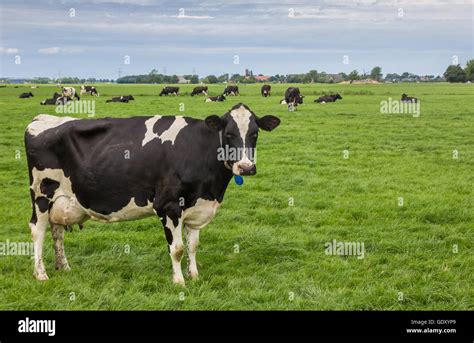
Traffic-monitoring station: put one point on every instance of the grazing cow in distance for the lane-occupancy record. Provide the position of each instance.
(328, 98)
(293, 98)
(70, 92)
(266, 90)
(231, 90)
(25, 95)
(91, 89)
(218, 98)
(124, 98)
(169, 90)
(179, 172)
(406, 98)
(199, 90)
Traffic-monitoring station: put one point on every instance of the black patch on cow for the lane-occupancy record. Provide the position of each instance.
(142, 199)
(48, 187)
(163, 124)
(34, 218)
(169, 236)
(43, 204)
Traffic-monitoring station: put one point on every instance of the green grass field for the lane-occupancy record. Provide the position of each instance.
(259, 252)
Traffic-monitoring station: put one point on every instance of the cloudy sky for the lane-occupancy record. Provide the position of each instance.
(96, 38)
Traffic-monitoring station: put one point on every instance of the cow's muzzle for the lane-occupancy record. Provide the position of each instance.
(244, 169)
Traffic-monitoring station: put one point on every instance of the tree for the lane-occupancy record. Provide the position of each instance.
(454, 73)
(354, 75)
(376, 74)
(469, 70)
(236, 78)
(174, 79)
(210, 79)
(223, 78)
(311, 76)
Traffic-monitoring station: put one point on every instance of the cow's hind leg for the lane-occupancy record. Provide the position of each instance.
(173, 230)
(58, 239)
(38, 226)
(192, 240)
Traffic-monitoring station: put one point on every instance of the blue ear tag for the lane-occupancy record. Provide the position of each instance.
(239, 180)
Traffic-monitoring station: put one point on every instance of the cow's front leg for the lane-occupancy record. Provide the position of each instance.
(192, 240)
(173, 230)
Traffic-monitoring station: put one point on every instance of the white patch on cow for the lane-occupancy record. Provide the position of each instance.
(241, 117)
(168, 135)
(131, 211)
(208, 100)
(283, 102)
(199, 215)
(65, 186)
(45, 122)
(69, 91)
(149, 134)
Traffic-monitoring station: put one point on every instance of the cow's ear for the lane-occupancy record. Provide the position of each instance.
(268, 122)
(214, 122)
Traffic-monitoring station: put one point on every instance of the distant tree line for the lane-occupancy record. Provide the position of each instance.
(454, 73)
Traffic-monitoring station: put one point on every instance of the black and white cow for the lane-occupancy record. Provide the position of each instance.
(199, 90)
(266, 90)
(63, 100)
(175, 170)
(25, 95)
(406, 98)
(123, 98)
(218, 98)
(293, 98)
(52, 101)
(48, 102)
(231, 90)
(70, 92)
(170, 90)
(91, 89)
(328, 98)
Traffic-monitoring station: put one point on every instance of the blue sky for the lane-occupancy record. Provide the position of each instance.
(270, 37)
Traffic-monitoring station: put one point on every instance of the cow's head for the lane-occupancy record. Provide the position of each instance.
(130, 97)
(338, 96)
(239, 131)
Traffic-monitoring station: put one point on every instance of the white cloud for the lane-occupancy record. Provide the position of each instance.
(50, 51)
(56, 50)
(9, 50)
(192, 16)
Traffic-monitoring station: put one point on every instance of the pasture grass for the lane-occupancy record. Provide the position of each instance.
(259, 253)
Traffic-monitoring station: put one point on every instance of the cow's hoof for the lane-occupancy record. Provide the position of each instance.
(194, 275)
(42, 277)
(63, 267)
(179, 281)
